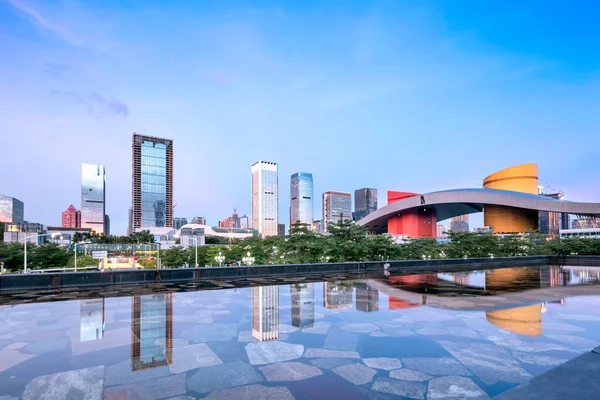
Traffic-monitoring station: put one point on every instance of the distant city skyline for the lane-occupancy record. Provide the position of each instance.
(310, 96)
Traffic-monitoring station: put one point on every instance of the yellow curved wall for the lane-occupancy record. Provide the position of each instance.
(521, 320)
(520, 178)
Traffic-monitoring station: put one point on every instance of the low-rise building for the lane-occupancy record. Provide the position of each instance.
(590, 233)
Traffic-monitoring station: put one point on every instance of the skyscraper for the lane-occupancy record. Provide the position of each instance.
(93, 195)
(337, 206)
(71, 218)
(152, 190)
(301, 198)
(106, 225)
(129, 221)
(178, 222)
(265, 312)
(11, 210)
(365, 202)
(265, 198)
(460, 224)
(199, 220)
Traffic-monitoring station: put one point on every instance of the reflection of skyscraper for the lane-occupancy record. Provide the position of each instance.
(303, 305)
(91, 320)
(367, 298)
(265, 312)
(337, 295)
(461, 279)
(152, 331)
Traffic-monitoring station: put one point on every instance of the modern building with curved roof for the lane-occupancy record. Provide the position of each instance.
(506, 211)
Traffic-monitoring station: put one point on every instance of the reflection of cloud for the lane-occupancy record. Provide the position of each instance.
(33, 16)
(56, 70)
(96, 105)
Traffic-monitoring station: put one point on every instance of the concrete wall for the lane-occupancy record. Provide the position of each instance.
(94, 278)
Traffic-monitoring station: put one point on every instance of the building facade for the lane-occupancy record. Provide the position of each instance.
(106, 225)
(152, 191)
(93, 196)
(280, 229)
(11, 210)
(151, 331)
(460, 224)
(245, 222)
(199, 220)
(317, 226)
(365, 202)
(337, 206)
(301, 198)
(71, 218)
(178, 222)
(265, 313)
(550, 223)
(265, 198)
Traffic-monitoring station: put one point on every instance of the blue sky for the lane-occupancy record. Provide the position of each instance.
(396, 95)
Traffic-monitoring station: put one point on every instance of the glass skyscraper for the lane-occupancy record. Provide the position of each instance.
(265, 198)
(337, 206)
(93, 195)
(301, 199)
(365, 202)
(11, 210)
(152, 181)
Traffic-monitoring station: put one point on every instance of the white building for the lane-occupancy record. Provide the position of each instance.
(593, 233)
(337, 206)
(265, 198)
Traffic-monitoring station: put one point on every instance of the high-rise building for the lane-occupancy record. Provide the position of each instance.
(337, 206)
(301, 198)
(199, 220)
(178, 222)
(11, 210)
(460, 224)
(106, 225)
(365, 202)
(280, 229)
(93, 195)
(549, 223)
(129, 221)
(316, 226)
(265, 312)
(303, 305)
(440, 231)
(152, 190)
(265, 198)
(71, 218)
(151, 331)
(245, 222)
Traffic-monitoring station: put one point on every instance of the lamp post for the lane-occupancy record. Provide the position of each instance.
(194, 238)
(220, 258)
(84, 242)
(25, 250)
(248, 259)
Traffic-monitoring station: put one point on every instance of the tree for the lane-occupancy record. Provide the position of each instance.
(347, 241)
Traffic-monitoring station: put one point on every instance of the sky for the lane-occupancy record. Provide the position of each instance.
(396, 95)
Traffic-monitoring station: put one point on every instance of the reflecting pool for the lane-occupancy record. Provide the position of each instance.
(428, 336)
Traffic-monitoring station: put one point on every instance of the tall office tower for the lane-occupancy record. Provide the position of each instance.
(303, 305)
(280, 229)
(265, 198)
(316, 226)
(178, 222)
(93, 195)
(337, 295)
(245, 222)
(152, 191)
(301, 198)
(460, 224)
(91, 320)
(11, 210)
(365, 202)
(129, 221)
(151, 331)
(71, 218)
(549, 223)
(106, 225)
(265, 312)
(199, 220)
(367, 298)
(440, 231)
(337, 206)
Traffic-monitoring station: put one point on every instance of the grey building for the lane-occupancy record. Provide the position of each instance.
(460, 224)
(178, 222)
(11, 210)
(265, 211)
(106, 225)
(152, 190)
(337, 206)
(301, 198)
(199, 220)
(280, 229)
(365, 202)
(93, 196)
(245, 222)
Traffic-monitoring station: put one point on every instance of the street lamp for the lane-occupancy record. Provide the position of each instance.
(220, 258)
(84, 242)
(196, 240)
(25, 251)
(248, 259)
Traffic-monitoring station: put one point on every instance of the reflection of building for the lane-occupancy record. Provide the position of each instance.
(301, 198)
(367, 298)
(11, 210)
(398, 304)
(460, 224)
(337, 206)
(152, 181)
(71, 218)
(461, 279)
(337, 295)
(303, 305)
(152, 331)
(365, 202)
(521, 320)
(178, 222)
(91, 320)
(265, 312)
(511, 279)
(93, 193)
(265, 198)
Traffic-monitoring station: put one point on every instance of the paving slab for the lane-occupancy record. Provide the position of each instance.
(323, 353)
(289, 371)
(332, 362)
(121, 374)
(153, 389)
(272, 352)
(436, 366)
(193, 356)
(411, 390)
(358, 374)
(223, 376)
(454, 388)
(383, 363)
(210, 333)
(81, 383)
(253, 392)
(406, 374)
